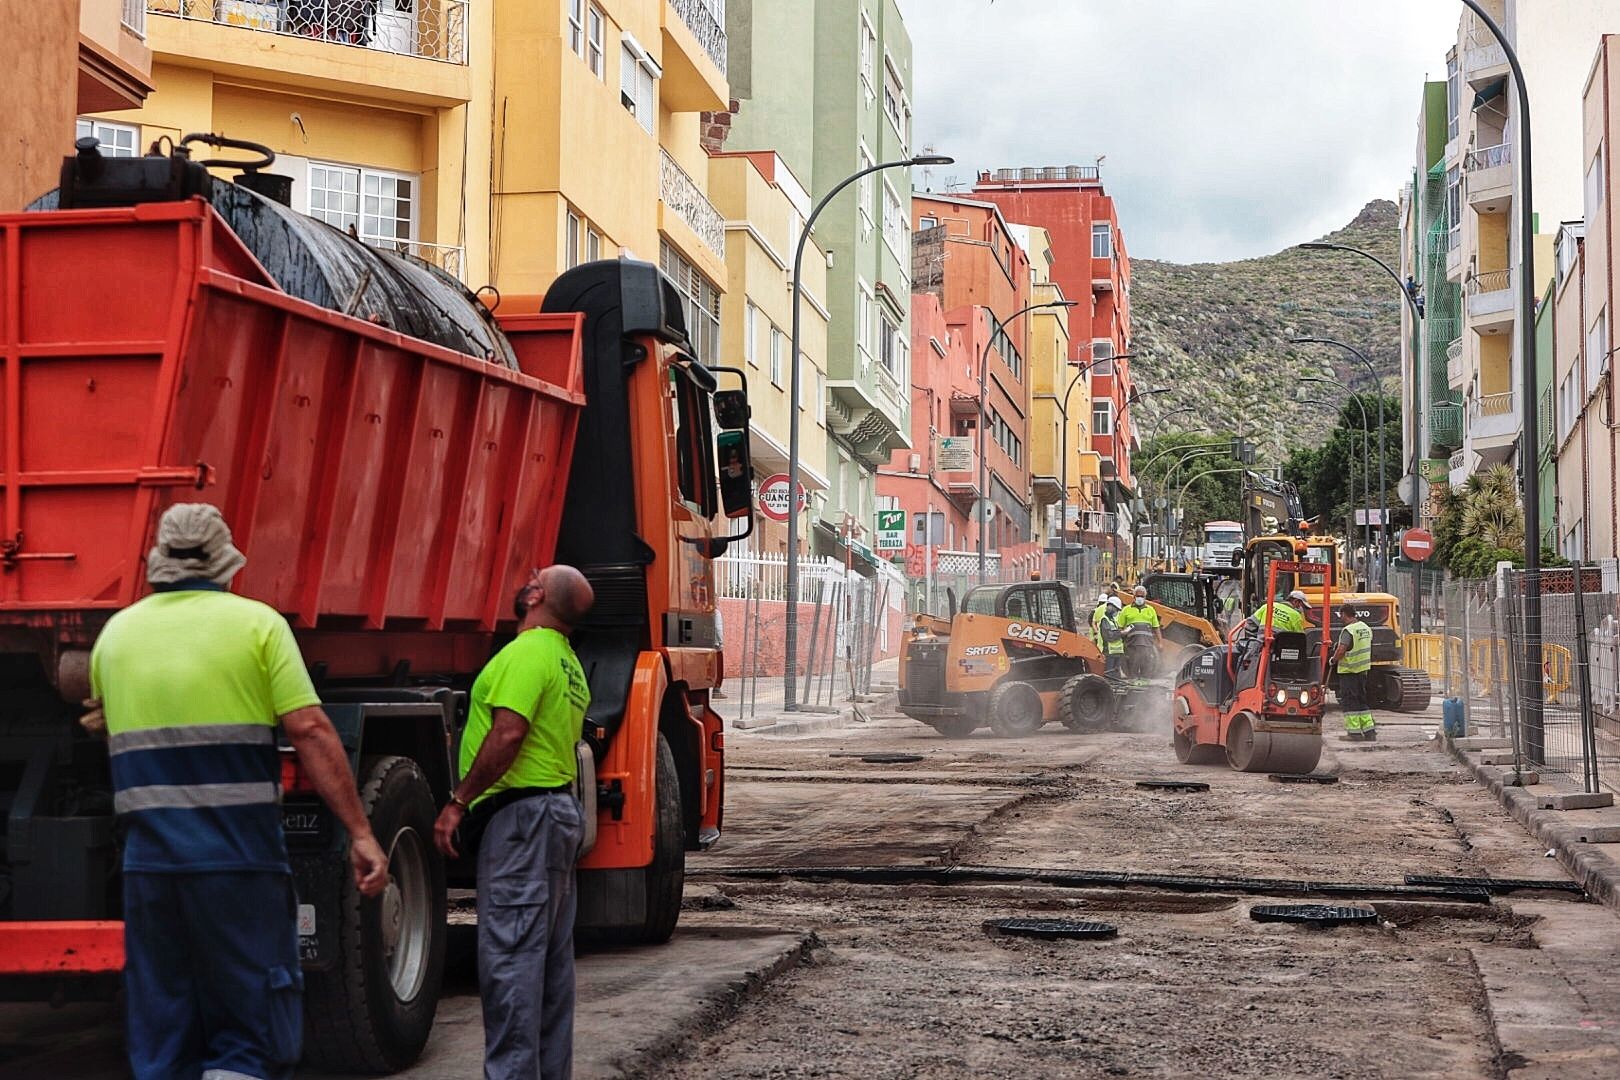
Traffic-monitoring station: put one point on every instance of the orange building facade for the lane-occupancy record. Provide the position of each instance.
(1091, 264)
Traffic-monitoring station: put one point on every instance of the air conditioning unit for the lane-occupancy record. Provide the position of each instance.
(914, 463)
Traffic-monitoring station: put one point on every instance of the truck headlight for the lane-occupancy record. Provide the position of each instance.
(1304, 697)
(1282, 697)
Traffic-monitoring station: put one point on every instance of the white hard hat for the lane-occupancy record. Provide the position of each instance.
(1299, 594)
(1114, 601)
(1102, 598)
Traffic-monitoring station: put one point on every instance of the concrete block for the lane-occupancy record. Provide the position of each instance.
(1576, 800)
(1599, 834)
(1525, 778)
(1497, 757)
(1482, 742)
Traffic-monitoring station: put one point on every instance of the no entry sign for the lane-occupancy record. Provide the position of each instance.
(1417, 544)
(773, 497)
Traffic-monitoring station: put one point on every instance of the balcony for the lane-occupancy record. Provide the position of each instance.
(1484, 59)
(1491, 301)
(695, 56)
(681, 194)
(956, 460)
(431, 29)
(1456, 372)
(1493, 426)
(1490, 178)
(1459, 468)
(1446, 425)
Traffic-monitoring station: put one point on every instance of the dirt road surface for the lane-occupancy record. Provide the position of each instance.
(786, 967)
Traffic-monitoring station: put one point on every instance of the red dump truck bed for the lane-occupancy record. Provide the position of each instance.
(376, 482)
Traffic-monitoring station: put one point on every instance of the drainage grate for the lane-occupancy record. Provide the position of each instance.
(1173, 785)
(1312, 914)
(1495, 885)
(1049, 929)
(1303, 778)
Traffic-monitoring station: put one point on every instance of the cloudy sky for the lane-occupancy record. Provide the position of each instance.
(1232, 128)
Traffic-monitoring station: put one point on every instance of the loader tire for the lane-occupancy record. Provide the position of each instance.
(1015, 710)
(1089, 704)
(373, 1010)
(959, 726)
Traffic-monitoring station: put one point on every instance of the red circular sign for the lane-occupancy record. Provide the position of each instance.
(773, 497)
(1417, 544)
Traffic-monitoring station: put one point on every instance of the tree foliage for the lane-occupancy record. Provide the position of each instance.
(1330, 475)
(1481, 524)
(1197, 470)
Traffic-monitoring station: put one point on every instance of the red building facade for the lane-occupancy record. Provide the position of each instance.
(1091, 261)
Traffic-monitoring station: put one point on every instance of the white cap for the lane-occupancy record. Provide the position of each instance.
(1299, 594)
(1114, 601)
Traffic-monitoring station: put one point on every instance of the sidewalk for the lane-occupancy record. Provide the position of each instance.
(755, 706)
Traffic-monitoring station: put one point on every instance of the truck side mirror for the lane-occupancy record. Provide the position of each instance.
(736, 471)
(731, 411)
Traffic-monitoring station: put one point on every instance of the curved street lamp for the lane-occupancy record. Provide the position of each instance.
(1366, 472)
(1383, 484)
(1411, 301)
(1063, 480)
(982, 507)
(790, 669)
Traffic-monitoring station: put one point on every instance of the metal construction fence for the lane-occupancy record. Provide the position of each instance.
(1559, 705)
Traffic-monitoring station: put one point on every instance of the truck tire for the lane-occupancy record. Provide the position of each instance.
(664, 878)
(1016, 710)
(959, 726)
(373, 1011)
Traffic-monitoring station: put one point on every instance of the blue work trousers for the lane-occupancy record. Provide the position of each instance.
(526, 903)
(211, 976)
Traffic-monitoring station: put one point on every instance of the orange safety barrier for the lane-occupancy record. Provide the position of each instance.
(61, 948)
(1556, 666)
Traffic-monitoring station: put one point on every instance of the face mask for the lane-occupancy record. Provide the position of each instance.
(1140, 601)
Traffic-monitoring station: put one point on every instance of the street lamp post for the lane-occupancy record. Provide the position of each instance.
(1530, 421)
(1411, 301)
(1063, 479)
(1119, 421)
(981, 508)
(1170, 475)
(1383, 485)
(791, 666)
(1366, 473)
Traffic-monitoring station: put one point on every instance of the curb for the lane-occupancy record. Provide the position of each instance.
(1591, 867)
(808, 723)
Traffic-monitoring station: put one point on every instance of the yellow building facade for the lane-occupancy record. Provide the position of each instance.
(765, 207)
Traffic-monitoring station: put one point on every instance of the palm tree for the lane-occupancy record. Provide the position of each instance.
(1491, 509)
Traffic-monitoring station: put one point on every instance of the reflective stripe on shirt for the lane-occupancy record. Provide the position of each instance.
(1359, 658)
(191, 735)
(194, 796)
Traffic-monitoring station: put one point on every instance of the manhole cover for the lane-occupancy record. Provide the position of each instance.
(1172, 785)
(1497, 885)
(1303, 778)
(1050, 929)
(890, 759)
(1312, 914)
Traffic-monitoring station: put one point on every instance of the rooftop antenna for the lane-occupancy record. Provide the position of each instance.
(928, 170)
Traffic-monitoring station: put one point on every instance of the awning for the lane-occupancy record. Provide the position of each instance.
(1493, 90)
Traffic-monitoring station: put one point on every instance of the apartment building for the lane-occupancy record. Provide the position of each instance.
(1483, 198)
(1090, 265)
(967, 257)
(765, 207)
(503, 140)
(65, 60)
(826, 85)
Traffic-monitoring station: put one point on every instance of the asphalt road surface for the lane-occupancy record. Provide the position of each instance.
(823, 939)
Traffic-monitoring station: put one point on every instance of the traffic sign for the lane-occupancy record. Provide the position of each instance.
(891, 530)
(1417, 544)
(773, 497)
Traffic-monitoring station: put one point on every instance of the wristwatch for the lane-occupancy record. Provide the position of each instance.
(457, 800)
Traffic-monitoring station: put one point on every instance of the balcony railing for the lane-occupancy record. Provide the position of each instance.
(707, 21)
(1458, 460)
(1454, 238)
(1488, 405)
(431, 29)
(1454, 362)
(134, 17)
(1490, 157)
(1446, 425)
(681, 194)
(1482, 50)
(1489, 282)
(1544, 420)
(1060, 172)
(444, 256)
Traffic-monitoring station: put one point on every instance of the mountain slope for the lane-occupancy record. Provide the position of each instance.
(1219, 334)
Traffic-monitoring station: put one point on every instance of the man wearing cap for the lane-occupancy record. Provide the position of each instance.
(517, 764)
(192, 683)
(1353, 657)
(1286, 618)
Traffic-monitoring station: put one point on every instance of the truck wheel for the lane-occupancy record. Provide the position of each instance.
(1089, 703)
(1016, 710)
(954, 727)
(373, 1011)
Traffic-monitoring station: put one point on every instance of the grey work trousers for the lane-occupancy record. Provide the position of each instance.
(526, 905)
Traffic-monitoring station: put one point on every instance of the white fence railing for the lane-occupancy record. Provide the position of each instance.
(134, 17)
(432, 29)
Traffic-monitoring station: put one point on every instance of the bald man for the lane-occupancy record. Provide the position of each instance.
(524, 717)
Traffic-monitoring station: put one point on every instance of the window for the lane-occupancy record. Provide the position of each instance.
(864, 322)
(694, 445)
(638, 77)
(1453, 94)
(1567, 250)
(593, 245)
(751, 334)
(888, 352)
(1597, 351)
(379, 206)
(1453, 198)
(1102, 357)
(571, 241)
(1102, 240)
(866, 189)
(1046, 608)
(576, 26)
(700, 302)
(1102, 417)
(1568, 405)
(1595, 182)
(117, 140)
(821, 399)
(927, 223)
(896, 224)
(595, 55)
(868, 57)
(895, 106)
(778, 348)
